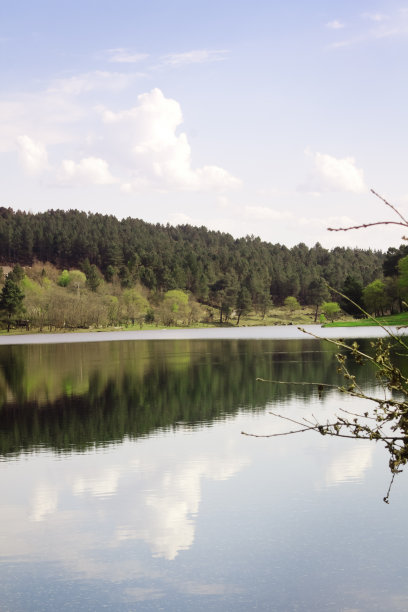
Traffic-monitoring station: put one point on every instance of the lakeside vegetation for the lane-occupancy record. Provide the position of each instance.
(71, 271)
(398, 319)
(41, 298)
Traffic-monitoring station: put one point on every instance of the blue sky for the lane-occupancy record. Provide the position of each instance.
(265, 118)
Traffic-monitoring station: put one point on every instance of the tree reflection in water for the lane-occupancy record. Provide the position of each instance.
(75, 396)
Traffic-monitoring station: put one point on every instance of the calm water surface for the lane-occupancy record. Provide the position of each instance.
(126, 483)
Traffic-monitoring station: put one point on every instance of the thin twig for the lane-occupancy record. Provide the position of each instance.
(285, 433)
(403, 221)
(323, 430)
(390, 205)
(364, 225)
(318, 427)
(356, 414)
(357, 350)
(284, 382)
(387, 497)
(370, 316)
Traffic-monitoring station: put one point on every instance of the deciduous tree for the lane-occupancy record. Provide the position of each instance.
(374, 297)
(291, 303)
(330, 310)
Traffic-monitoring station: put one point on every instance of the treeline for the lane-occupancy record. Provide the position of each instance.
(211, 266)
(387, 294)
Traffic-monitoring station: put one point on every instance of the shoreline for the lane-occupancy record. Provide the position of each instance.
(272, 332)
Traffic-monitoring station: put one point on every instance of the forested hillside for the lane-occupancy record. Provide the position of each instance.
(213, 266)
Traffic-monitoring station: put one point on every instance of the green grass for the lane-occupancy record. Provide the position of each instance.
(396, 319)
(278, 315)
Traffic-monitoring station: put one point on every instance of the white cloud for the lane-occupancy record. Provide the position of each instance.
(47, 118)
(335, 25)
(198, 56)
(91, 81)
(33, 155)
(93, 170)
(377, 26)
(157, 155)
(144, 143)
(123, 56)
(331, 174)
(213, 176)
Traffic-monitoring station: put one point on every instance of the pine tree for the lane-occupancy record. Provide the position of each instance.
(11, 300)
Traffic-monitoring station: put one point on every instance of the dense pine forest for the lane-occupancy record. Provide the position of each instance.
(134, 262)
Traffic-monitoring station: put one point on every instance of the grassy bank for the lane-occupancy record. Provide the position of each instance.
(396, 319)
(276, 316)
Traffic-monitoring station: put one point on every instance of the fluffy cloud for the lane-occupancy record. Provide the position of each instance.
(33, 155)
(157, 155)
(143, 144)
(93, 170)
(334, 174)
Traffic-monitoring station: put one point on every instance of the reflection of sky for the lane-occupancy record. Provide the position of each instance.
(343, 464)
(209, 513)
(351, 465)
(148, 491)
(44, 502)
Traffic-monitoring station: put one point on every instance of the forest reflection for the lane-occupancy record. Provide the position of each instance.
(70, 397)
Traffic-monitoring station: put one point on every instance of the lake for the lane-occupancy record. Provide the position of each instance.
(127, 485)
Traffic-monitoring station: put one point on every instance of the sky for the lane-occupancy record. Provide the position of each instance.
(264, 118)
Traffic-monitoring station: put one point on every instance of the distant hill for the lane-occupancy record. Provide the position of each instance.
(162, 257)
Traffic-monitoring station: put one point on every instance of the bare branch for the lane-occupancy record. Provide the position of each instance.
(390, 205)
(390, 413)
(356, 414)
(403, 222)
(387, 497)
(323, 430)
(284, 433)
(284, 382)
(364, 225)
